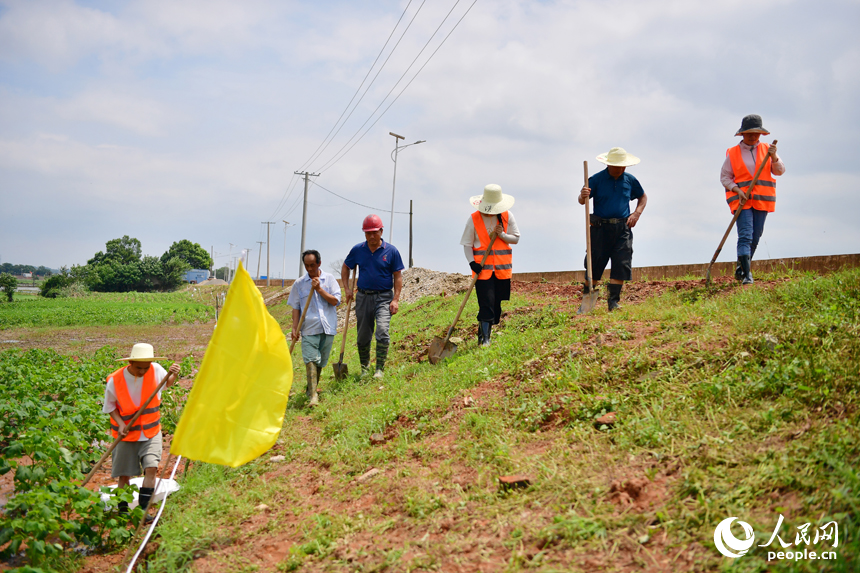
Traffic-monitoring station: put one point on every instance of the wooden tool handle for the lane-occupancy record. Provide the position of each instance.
(130, 423)
(587, 229)
(302, 318)
(346, 320)
(469, 292)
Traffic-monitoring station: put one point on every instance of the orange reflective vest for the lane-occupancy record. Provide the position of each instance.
(150, 420)
(763, 195)
(501, 256)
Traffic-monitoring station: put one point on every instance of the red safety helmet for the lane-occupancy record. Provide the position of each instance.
(371, 223)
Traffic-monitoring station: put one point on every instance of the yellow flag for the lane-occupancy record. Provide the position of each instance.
(236, 408)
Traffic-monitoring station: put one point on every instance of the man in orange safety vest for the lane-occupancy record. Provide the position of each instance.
(491, 215)
(140, 447)
(736, 176)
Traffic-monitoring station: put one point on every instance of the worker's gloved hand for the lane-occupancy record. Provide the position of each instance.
(475, 267)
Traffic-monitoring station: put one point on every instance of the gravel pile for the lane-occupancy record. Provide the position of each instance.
(418, 283)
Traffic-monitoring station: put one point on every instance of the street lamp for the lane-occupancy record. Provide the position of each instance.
(394, 153)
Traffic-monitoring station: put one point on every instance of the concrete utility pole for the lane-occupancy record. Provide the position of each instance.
(410, 233)
(394, 153)
(304, 216)
(268, 225)
(259, 258)
(284, 272)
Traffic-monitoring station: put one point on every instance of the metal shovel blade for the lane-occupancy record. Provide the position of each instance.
(588, 302)
(341, 371)
(440, 350)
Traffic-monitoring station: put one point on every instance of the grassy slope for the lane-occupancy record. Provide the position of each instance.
(741, 403)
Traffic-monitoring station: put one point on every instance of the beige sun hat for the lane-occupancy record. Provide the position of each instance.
(617, 157)
(141, 352)
(493, 201)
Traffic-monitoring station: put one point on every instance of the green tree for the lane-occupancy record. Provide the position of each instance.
(9, 284)
(192, 253)
(173, 272)
(50, 288)
(222, 273)
(123, 251)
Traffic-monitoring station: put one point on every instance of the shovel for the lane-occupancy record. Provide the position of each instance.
(590, 299)
(301, 320)
(340, 369)
(735, 218)
(441, 348)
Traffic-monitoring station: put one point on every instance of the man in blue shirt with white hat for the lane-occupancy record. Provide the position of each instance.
(611, 221)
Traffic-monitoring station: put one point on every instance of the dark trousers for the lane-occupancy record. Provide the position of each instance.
(611, 241)
(491, 293)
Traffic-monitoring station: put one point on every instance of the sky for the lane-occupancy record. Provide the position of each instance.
(168, 119)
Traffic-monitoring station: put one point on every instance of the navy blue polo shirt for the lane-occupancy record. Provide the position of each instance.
(377, 268)
(612, 196)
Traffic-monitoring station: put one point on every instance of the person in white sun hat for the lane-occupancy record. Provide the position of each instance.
(140, 447)
(611, 220)
(494, 278)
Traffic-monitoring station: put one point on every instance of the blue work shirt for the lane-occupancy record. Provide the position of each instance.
(321, 317)
(377, 268)
(612, 196)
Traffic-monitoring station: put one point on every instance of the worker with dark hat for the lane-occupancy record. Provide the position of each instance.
(378, 296)
(736, 176)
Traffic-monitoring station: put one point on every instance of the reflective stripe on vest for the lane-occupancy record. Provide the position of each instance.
(763, 195)
(500, 260)
(149, 421)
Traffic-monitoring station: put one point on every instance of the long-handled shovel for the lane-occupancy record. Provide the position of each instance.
(440, 347)
(302, 319)
(590, 299)
(340, 369)
(741, 203)
(131, 422)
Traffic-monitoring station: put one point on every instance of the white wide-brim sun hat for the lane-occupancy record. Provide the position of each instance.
(493, 201)
(617, 157)
(141, 352)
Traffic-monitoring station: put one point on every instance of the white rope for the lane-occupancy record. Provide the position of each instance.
(154, 521)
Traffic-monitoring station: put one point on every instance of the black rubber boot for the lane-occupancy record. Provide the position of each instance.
(739, 271)
(381, 355)
(614, 296)
(480, 335)
(585, 289)
(486, 332)
(122, 508)
(364, 359)
(745, 266)
(144, 496)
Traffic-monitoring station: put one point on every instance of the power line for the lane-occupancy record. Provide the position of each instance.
(319, 151)
(293, 180)
(359, 204)
(332, 161)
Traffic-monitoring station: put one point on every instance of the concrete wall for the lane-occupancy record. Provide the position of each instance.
(821, 264)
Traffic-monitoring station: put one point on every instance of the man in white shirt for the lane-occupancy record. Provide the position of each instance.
(320, 324)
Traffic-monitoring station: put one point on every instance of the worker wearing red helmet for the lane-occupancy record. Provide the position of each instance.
(378, 296)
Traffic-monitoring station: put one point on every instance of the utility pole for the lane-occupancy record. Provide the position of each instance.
(304, 216)
(259, 258)
(410, 233)
(268, 225)
(397, 149)
(284, 272)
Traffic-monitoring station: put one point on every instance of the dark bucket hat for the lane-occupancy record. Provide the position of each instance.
(752, 124)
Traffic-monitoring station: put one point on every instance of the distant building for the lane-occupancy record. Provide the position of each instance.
(196, 276)
(28, 275)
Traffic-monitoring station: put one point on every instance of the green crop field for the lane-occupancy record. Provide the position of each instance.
(102, 309)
